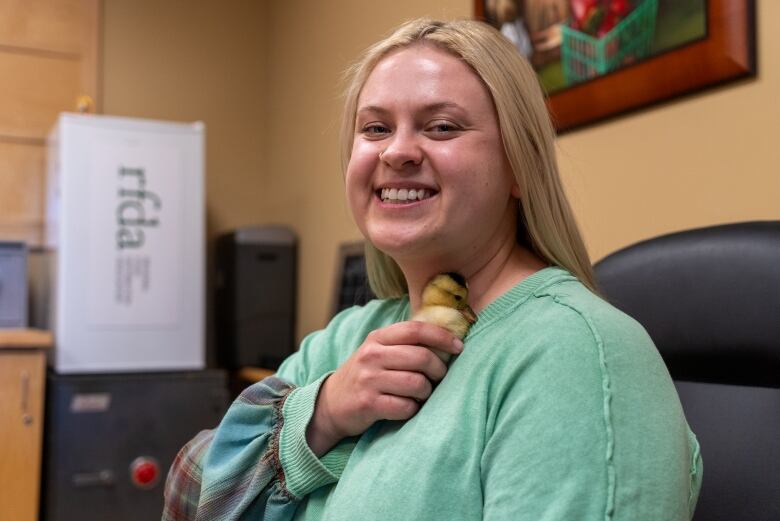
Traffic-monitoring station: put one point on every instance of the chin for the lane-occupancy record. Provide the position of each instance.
(409, 249)
(407, 239)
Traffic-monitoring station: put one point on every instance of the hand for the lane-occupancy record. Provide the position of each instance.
(385, 379)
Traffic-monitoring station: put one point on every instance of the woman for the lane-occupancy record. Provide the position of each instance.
(558, 406)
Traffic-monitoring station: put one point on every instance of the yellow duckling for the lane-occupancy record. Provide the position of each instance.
(445, 303)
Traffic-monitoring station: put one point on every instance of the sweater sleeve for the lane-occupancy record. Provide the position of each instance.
(257, 464)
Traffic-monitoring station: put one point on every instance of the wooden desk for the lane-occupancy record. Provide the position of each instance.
(242, 378)
(254, 374)
(22, 384)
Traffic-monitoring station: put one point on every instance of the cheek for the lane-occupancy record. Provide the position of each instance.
(486, 188)
(361, 164)
(358, 180)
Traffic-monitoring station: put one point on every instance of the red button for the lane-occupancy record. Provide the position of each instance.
(144, 472)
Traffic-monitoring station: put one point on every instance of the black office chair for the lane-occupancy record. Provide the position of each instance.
(710, 299)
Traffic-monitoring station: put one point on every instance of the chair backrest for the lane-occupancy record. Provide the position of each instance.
(710, 299)
(350, 287)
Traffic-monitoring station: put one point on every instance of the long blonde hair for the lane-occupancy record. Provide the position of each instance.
(546, 223)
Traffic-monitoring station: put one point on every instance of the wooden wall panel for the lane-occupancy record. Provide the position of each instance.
(90, 51)
(33, 91)
(22, 172)
(49, 56)
(52, 25)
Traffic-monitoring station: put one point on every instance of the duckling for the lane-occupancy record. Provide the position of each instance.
(445, 303)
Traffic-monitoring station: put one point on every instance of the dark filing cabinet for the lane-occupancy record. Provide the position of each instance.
(110, 439)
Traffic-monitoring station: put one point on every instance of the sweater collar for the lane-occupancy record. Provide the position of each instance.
(518, 294)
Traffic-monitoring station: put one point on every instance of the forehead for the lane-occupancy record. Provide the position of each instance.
(426, 74)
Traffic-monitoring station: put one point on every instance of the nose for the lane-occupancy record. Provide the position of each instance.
(402, 151)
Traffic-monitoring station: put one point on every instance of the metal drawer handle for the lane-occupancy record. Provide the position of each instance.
(27, 418)
(102, 478)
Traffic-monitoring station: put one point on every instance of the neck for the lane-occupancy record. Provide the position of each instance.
(489, 273)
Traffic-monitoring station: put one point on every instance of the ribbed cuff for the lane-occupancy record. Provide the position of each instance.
(303, 471)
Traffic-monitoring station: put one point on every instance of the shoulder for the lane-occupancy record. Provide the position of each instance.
(563, 312)
(565, 332)
(575, 313)
(570, 302)
(562, 329)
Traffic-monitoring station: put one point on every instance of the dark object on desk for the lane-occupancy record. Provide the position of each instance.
(710, 299)
(351, 286)
(256, 285)
(13, 284)
(109, 440)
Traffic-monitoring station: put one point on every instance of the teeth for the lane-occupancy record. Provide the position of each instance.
(404, 194)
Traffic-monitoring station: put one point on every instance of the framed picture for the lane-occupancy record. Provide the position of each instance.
(597, 59)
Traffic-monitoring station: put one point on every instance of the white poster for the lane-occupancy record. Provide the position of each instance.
(134, 231)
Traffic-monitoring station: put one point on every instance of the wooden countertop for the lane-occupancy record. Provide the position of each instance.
(254, 374)
(25, 338)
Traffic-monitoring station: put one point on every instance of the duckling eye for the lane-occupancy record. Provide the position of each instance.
(458, 297)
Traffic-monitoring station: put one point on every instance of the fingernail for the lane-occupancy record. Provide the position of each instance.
(458, 343)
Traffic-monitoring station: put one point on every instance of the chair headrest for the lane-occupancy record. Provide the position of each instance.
(709, 297)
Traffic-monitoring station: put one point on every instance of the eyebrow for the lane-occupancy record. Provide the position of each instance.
(431, 107)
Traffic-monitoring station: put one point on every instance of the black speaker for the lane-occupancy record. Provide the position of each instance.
(256, 286)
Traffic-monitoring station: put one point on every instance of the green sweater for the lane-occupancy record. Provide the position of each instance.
(559, 408)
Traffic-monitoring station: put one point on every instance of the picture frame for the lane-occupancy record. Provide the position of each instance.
(727, 53)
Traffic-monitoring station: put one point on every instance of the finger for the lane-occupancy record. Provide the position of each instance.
(419, 333)
(414, 358)
(391, 407)
(406, 384)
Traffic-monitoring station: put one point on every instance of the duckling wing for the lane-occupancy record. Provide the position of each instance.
(450, 319)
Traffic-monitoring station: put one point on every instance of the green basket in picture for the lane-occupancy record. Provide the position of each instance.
(584, 56)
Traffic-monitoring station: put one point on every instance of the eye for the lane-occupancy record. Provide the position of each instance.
(442, 129)
(442, 126)
(374, 129)
(458, 298)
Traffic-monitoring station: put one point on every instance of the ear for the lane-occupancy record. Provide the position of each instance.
(515, 190)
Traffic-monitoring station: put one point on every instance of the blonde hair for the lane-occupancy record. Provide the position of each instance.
(546, 223)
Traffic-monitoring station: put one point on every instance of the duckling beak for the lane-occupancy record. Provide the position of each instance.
(469, 314)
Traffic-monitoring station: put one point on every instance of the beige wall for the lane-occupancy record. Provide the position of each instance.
(48, 59)
(265, 78)
(197, 60)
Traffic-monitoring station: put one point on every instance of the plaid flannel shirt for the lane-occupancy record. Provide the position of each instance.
(247, 485)
(182, 488)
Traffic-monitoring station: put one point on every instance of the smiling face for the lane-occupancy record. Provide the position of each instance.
(428, 178)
